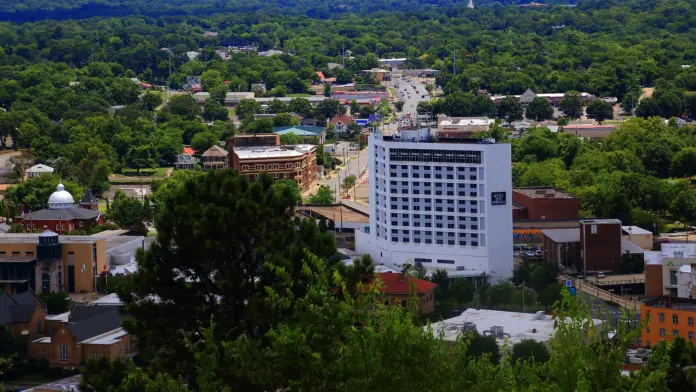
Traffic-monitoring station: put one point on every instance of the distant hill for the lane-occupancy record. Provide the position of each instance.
(27, 10)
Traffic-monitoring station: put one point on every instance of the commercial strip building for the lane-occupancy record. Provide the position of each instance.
(553, 98)
(254, 154)
(507, 327)
(667, 318)
(444, 203)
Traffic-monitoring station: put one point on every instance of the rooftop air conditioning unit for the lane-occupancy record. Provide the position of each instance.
(497, 330)
(468, 327)
(540, 315)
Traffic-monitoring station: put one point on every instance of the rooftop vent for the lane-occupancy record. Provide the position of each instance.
(540, 191)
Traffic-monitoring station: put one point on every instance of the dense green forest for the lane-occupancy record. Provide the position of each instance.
(25, 10)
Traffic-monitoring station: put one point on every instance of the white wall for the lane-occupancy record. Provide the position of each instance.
(494, 256)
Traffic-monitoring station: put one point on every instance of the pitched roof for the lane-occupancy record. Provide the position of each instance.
(17, 309)
(345, 119)
(215, 151)
(189, 151)
(89, 197)
(40, 168)
(299, 130)
(67, 214)
(396, 283)
(88, 321)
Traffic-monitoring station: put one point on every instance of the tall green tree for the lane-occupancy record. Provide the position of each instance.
(540, 109)
(571, 105)
(510, 109)
(184, 106)
(529, 349)
(600, 111)
(222, 240)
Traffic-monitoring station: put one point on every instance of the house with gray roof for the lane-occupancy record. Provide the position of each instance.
(23, 314)
(38, 170)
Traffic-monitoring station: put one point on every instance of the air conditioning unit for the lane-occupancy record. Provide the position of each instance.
(540, 315)
(497, 330)
(467, 327)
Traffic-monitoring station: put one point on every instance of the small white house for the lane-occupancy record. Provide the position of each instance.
(38, 170)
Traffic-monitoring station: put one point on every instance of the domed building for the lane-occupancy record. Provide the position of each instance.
(62, 216)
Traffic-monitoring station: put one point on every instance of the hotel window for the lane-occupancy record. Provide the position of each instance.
(245, 167)
(43, 354)
(675, 333)
(691, 335)
(690, 321)
(675, 319)
(662, 317)
(95, 355)
(662, 332)
(38, 326)
(63, 352)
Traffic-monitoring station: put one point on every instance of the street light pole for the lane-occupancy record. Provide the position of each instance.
(523, 297)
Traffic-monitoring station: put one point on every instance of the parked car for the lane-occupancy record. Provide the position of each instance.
(539, 253)
(531, 253)
(600, 275)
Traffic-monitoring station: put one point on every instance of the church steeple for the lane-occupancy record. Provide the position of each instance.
(89, 201)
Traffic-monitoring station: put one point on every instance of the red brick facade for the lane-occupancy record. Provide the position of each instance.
(280, 162)
(544, 203)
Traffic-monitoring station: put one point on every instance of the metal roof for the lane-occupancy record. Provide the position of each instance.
(562, 235)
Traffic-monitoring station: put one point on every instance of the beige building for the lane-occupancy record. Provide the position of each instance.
(638, 236)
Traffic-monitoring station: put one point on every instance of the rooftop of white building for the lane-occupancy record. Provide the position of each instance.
(259, 152)
(634, 230)
(472, 121)
(516, 326)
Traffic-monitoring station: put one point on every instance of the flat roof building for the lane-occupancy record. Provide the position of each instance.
(512, 327)
(667, 318)
(462, 126)
(544, 203)
(255, 154)
(442, 202)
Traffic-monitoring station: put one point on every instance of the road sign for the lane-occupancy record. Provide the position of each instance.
(569, 283)
(572, 290)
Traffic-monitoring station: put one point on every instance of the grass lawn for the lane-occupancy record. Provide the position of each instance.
(299, 95)
(149, 172)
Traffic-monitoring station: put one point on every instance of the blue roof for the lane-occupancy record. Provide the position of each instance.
(299, 130)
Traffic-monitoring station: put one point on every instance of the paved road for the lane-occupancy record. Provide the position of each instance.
(352, 167)
(410, 92)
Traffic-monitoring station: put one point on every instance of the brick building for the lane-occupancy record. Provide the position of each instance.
(544, 203)
(398, 289)
(596, 246)
(24, 314)
(255, 154)
(87, 331)
(62, 216)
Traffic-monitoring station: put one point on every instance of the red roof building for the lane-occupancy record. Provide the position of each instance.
(189, 151)
(321, 76)
(398, 289)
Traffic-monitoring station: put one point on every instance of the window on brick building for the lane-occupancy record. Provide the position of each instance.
(63, 356)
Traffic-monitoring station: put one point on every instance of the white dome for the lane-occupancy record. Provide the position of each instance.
(60, 199)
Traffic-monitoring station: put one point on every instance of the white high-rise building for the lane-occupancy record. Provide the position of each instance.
(443, 203)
